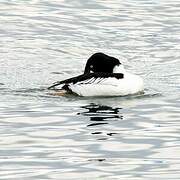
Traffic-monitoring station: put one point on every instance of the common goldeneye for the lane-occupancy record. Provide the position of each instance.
(103, 76)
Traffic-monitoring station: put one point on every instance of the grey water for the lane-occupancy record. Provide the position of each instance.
(50, 137)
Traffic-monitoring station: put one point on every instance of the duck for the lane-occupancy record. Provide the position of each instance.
(103, 75)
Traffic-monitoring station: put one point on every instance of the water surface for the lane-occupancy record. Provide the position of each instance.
(48, 137)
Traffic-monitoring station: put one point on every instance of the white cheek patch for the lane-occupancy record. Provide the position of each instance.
(91, 69)
(119, 69)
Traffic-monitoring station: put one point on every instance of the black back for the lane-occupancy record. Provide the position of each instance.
(87, 76)
(100, 62)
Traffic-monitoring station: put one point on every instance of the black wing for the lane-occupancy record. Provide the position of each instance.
(87, 76)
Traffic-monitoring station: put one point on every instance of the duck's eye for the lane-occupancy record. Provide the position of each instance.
(91, 66)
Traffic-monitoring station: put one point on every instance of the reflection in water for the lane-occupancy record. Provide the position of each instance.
(100, 113)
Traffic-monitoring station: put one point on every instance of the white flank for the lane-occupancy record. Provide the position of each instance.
(130, 84)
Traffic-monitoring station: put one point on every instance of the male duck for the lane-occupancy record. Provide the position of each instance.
(103, 76)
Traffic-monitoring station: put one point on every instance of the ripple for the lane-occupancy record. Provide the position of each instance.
(49, 137)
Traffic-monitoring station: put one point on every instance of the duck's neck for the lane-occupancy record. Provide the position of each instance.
(119, 69)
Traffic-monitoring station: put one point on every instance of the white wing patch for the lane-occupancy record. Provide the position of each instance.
(101, 81)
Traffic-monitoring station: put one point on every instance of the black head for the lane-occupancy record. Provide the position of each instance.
(100, 62)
